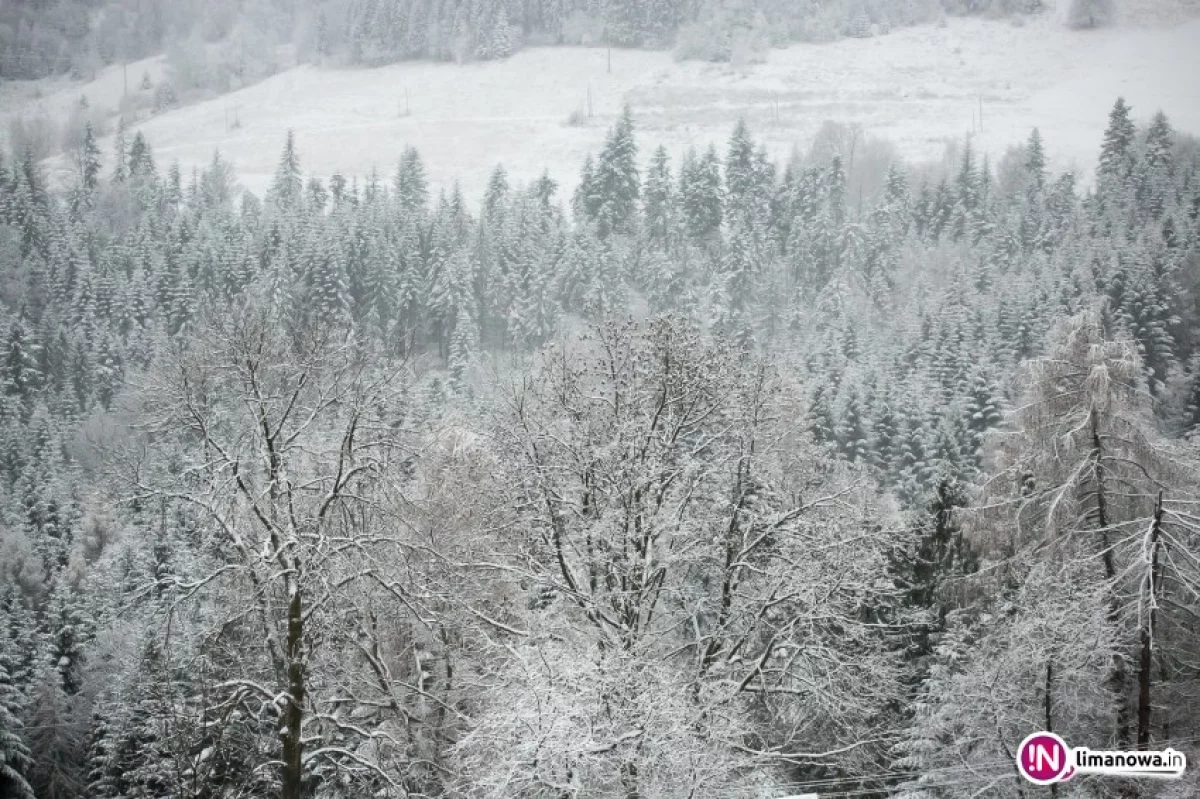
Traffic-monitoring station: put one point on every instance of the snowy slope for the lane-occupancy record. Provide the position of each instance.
(917, 87)
(57, 97)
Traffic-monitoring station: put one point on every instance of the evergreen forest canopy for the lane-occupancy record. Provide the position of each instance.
(711, 483)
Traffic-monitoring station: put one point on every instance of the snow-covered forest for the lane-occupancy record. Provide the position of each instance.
(45, 37)
(711, 479)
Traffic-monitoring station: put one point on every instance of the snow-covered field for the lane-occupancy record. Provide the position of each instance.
(917, 87)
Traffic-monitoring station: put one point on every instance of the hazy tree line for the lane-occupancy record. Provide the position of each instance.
(48, 37)
(709, 480)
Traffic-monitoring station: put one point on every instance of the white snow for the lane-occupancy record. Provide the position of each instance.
(917, 86)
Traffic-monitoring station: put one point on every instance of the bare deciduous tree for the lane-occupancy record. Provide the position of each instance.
(284, 448)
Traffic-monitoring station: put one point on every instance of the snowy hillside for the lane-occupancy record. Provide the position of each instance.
(917, 87)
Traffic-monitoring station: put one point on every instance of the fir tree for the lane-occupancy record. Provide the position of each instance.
(1116, 153)
(740, 179)
(462, 348)
(141, 160)
(120, 154)
(103, 771)
(89, 161)
(584, 204)
(700, 194)
(939, 554)
(54, 739)
(659, 201)
(411, 186)
(496, 196)
(1158, 167)
(287, 186)
(1035, 162)
(15, 759)
(615, 183)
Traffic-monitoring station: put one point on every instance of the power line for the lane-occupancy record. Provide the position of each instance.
(959, 772)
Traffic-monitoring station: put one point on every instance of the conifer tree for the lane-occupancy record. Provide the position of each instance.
(103, 770)
(583, 201)
(462, 348)
(938, 554)
(700, 194)
(740, 180)
(54, 740)
(1117, 154)
(495, 197)
(20, 375)
(411, 186)
(120, 154)
(615, 184)
(659, 202)
(287, 186)
(1035, 162)
(89, 161)
(1158, 168)
(15, 759)
(141, 160)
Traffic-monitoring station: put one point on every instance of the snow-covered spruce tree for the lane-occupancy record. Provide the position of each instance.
(615, 186)
(1155, 194)
(410, 186)
(288, 185)
(15, 760)
(55, 738)
(696, 617)
(280, 446)
(1117, 166)
(659, 203)
(89, 162)
(700, 194)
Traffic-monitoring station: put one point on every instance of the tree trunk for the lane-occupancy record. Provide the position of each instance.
(629, 781)
(1049, 702)
(1116, 675)
(292, 769)
(1146, 664)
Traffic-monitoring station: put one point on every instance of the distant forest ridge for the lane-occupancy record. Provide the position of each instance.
(40, 38)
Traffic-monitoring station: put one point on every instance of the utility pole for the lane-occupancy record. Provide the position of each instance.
(608, 45)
